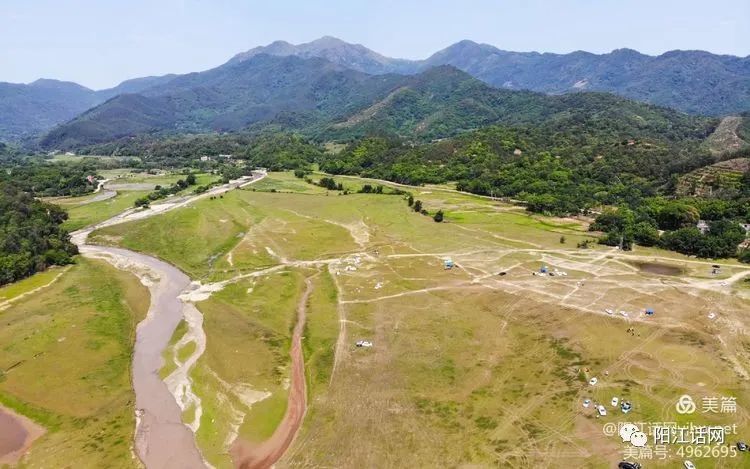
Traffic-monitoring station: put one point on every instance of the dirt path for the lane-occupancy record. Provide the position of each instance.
(262, 456)
(5, 304)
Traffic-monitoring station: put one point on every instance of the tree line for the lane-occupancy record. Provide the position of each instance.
(31, 237)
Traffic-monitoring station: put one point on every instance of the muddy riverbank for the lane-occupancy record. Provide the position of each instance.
(17, 433)
(162, 440)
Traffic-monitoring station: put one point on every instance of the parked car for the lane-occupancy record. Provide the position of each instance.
(742, 446)
(689, 465)
(629, 465)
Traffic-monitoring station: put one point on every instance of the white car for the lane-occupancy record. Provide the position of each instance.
(593, 381)
(615, 401)
(689, 465)
(364, 343)
(586, 402)
(602, 411)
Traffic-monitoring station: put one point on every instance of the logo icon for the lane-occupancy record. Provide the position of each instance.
(627, 431)
(638, 439)
(685, 405)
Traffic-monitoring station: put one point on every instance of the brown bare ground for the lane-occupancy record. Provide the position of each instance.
(17, 433)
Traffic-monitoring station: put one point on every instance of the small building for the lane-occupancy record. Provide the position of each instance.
(702, 226)
(205, 158)
(70, 153)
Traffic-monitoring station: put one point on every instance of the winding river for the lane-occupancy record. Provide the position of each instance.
(162, 440)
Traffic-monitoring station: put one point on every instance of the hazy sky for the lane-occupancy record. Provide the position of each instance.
(99, 43)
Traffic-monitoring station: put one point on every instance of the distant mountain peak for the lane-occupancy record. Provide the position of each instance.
(626, 52)
(330, 41)
(354, 56)
(51, 83)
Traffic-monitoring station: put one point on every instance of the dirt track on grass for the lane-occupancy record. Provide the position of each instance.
(264, 455)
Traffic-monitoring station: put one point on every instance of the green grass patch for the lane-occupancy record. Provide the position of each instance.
(13, 290)
(69, 350)
(186, 351)
(89, 214)
(263, 418)
(168, 354)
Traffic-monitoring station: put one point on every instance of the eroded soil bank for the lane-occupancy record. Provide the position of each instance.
(17, 433)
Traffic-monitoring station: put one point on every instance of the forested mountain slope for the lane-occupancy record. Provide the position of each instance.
(326, 100)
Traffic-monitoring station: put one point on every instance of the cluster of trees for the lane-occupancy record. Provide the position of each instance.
(416, 205)
(281, 151)
(45, 179)
(272, 150)
(721, 240)
(330, 184)
(561, 171)
(672, 224)
(160, 151)
(369, 189)
(557, 171)
(163, 192)
(31, 238)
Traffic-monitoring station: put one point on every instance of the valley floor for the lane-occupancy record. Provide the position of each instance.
(484, 364)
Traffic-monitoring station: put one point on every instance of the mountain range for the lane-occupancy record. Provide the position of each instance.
(696, 82)
(328, 101)
(29, 110)
(335, 87)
